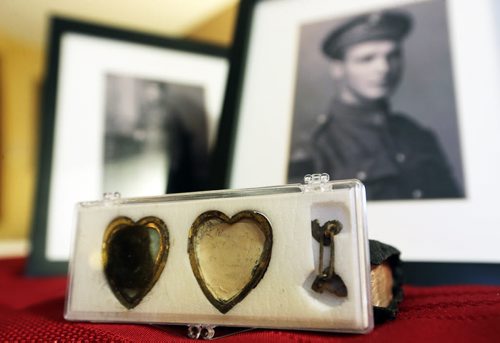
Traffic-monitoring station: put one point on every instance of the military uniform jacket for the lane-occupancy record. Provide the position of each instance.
(390, 153)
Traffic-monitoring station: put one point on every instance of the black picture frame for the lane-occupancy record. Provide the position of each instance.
(38, 262)
(417, 271)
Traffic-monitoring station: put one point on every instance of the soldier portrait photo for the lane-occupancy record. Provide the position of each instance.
(375, 101)
(156, 136)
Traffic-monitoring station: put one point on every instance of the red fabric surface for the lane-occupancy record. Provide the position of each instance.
(31, 309)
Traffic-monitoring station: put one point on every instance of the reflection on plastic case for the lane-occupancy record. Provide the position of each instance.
(292, 257)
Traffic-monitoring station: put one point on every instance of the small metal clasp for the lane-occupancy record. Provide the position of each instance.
(327, 278)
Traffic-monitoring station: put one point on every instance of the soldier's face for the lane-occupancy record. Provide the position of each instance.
(370, 70)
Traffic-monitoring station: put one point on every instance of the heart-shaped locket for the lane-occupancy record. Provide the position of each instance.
(229, 256)
(134, 255)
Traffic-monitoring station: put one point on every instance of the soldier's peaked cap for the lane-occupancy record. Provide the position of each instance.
(392, 25)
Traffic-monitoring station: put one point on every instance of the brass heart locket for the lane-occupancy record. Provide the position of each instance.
(229, 256)
(134, 255)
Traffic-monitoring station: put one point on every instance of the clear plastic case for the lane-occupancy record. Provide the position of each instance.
(292, 257)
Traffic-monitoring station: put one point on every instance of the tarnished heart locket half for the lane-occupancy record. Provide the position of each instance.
(229, 256)
(134, 255)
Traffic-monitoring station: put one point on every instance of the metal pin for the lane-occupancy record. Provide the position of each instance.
(327, 278)
(321, 250)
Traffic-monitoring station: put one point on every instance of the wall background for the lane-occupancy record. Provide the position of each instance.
(20, 85)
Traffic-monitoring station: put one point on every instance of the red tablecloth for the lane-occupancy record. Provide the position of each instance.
(31, 310)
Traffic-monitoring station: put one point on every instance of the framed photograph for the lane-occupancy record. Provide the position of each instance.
(124, 112)
(388, 92)
(1, 133)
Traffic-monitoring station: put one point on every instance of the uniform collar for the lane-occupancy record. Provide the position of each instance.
(370, 114)
(362, 135)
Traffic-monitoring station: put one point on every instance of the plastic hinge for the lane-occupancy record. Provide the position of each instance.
(201, 331)
(317, 182)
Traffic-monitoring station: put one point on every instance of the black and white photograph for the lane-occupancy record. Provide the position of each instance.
(425, 128)
(125, 112)
(375, 101)
(155, 131)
